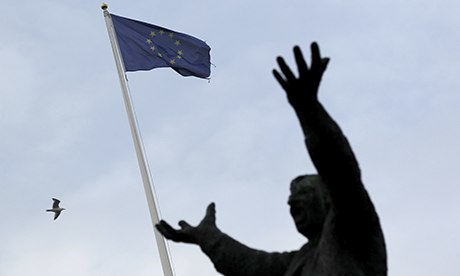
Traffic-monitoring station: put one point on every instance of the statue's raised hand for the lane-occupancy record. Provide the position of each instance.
(304, 89)
(188, 233)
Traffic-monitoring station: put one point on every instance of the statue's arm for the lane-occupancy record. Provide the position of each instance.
(233, 258)
(328, 148)
(230, 257)
(354, 222)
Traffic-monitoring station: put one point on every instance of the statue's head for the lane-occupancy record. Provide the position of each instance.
(309, 204)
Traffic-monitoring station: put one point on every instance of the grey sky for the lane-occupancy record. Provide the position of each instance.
(392, 85)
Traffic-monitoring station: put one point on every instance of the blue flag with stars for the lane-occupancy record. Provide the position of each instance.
(145, 46)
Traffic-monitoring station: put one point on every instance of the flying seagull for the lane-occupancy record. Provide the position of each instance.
(56, 209)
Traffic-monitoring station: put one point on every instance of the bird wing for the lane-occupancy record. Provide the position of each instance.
(56, 215)
(56, 203)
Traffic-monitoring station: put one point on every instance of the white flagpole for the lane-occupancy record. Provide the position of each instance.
(146, 178)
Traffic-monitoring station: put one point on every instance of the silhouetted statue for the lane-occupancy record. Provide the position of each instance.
(332, 209)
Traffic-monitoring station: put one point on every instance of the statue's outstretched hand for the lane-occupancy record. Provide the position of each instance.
(302, 90)
(188, 233)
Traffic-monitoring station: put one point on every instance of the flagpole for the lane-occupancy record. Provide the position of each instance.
(146, 178)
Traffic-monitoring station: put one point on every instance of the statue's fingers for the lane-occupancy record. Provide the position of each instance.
(211, 212)
(315, 57)
(285, 69)
(280, 79)
(301, 64)
(163, 226)
(324, 63)
(184, 225)
(167, 231)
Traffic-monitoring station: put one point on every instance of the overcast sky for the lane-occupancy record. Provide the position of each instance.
(392, 85)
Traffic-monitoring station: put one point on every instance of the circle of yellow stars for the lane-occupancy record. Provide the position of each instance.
(177, 42)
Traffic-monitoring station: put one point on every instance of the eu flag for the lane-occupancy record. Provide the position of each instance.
(145, 46)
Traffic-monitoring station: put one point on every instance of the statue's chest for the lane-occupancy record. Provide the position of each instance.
(325, 261)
